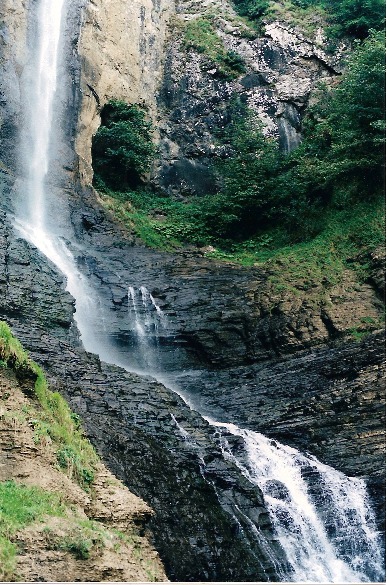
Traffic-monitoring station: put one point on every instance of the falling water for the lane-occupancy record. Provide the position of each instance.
(40, 127)
(148, 320)
(39, 107)
(334, 542)
(42, 98)
(325, 526)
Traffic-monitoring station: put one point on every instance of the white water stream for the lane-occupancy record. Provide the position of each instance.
(341, 547)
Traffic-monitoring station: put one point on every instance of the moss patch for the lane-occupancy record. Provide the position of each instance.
(200, 35)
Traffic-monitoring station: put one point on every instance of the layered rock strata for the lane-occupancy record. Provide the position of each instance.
(204, 506)
(328, 401)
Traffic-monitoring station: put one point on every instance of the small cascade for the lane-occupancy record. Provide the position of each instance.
(149, 324)
(322, 518)
(132, 306)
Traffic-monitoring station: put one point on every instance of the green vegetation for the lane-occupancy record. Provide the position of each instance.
(354, 18)
(53, 422)
(339, 165)
(122, 148)
(253, 9)
(86, 536)
(200, 34)
(308, 215)
(20, 506)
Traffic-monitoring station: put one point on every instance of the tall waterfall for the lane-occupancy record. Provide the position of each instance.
(321, 545)
(39, 127)
(33, 220)
(41, 113)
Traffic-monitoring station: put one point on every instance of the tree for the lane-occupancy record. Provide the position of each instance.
(122, 148)
(342, 158)
(356, 17)
(244, 202)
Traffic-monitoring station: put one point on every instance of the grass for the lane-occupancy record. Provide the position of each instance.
(308, 19)
(200, 35)
(54, 422)
(86, 535)
(159, 222)
(313, 266)
(20, 506)
(168, 225)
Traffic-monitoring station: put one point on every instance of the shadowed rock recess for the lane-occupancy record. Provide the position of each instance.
(238, 349)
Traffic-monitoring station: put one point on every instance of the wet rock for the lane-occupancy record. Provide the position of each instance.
(329, 402)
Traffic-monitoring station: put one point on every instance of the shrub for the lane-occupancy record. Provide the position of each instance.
(122, 148)
(55, 421)
(355, 18)
(200, 35)
(253, 9)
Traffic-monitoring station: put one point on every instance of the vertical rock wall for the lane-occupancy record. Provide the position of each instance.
(282, 67)
(121, 51)
(13, 55)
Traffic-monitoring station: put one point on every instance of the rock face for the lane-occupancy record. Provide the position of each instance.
(47, 550)
(221, 314)
(233, 324)
(13, 34)
(121, 51)
(137, 53)
(281, 69)
(152, 440)
(327, 402)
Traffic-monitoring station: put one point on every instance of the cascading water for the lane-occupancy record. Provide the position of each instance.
(33, 219)
(148, 321)
(323, 543)
(39, 97)
(325, 525)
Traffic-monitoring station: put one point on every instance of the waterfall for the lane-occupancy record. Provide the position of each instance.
(149, 321)
(33, 218)
(41, 113)
(328, 532)
(39, 127)
(325, 525)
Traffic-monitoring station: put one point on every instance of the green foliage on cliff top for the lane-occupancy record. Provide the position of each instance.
(200, 34)
(53, 420)
(354, 18)
(122, 148)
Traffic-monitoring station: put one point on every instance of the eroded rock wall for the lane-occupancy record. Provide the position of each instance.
(13, 54)
(121, 50)
(204, 506)
(282, 68)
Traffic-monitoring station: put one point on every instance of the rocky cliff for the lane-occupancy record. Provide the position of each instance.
(275, 355)
(89, 535)
(140, 55)
(275, 75)
(121, 50)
